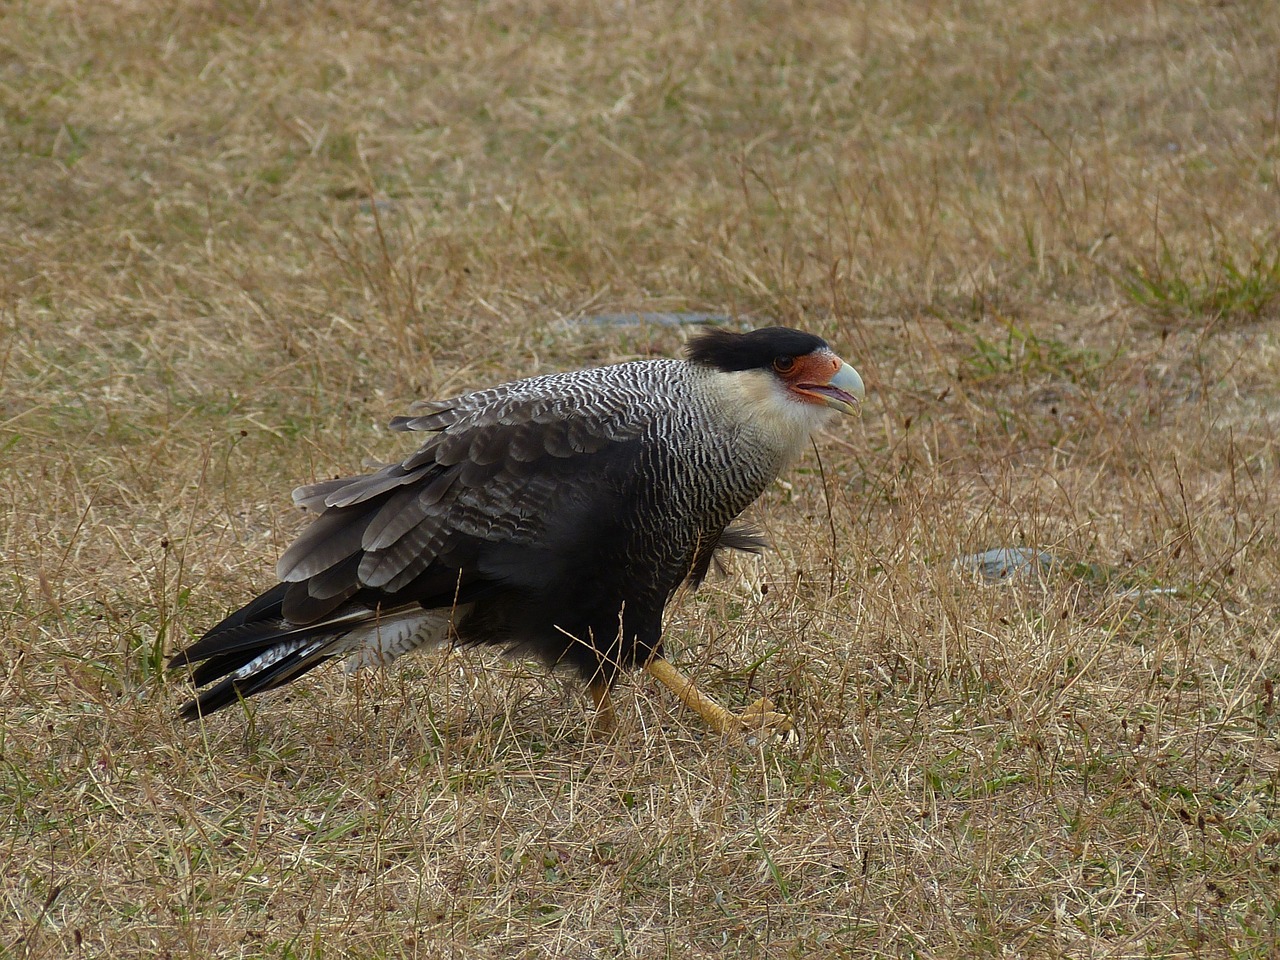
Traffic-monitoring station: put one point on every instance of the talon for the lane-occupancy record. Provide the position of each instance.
(761, 722)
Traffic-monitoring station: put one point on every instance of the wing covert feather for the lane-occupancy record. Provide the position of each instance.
(493, 472)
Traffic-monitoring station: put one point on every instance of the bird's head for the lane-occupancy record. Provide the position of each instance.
(785, 363)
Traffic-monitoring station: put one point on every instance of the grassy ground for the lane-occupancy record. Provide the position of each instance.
(236, 238)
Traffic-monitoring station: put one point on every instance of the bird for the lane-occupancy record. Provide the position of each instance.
(554, 516)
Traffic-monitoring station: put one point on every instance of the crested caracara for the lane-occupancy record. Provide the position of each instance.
(554, 516)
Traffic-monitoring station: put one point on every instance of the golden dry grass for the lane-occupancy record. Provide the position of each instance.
(236, 238)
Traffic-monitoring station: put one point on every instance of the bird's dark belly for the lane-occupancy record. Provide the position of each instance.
(592, 614)
(597, 633)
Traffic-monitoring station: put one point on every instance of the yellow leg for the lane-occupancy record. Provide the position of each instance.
(757, 718)
(606, 721)
(716, 717)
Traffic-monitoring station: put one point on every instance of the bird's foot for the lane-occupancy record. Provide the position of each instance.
(602, 728)
(762, 723)
(604, 723)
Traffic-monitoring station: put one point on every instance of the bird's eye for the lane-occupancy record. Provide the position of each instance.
(784, 364)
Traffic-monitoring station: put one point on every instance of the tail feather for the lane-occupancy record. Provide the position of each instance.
(248, 640)
(283, 664)
(253, 642)
(217, 639)
(257, 648)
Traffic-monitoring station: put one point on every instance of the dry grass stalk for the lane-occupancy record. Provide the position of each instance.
(237, 238)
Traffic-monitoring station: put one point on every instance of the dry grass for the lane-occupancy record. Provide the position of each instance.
(236, 238)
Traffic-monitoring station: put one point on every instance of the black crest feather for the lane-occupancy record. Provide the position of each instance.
(728, 351)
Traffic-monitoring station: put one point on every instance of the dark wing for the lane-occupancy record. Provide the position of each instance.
(503, 470)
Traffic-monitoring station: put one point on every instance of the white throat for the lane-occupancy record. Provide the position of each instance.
(761, 407)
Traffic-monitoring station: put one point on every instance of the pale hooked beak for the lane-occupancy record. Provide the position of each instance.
(844, 391)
